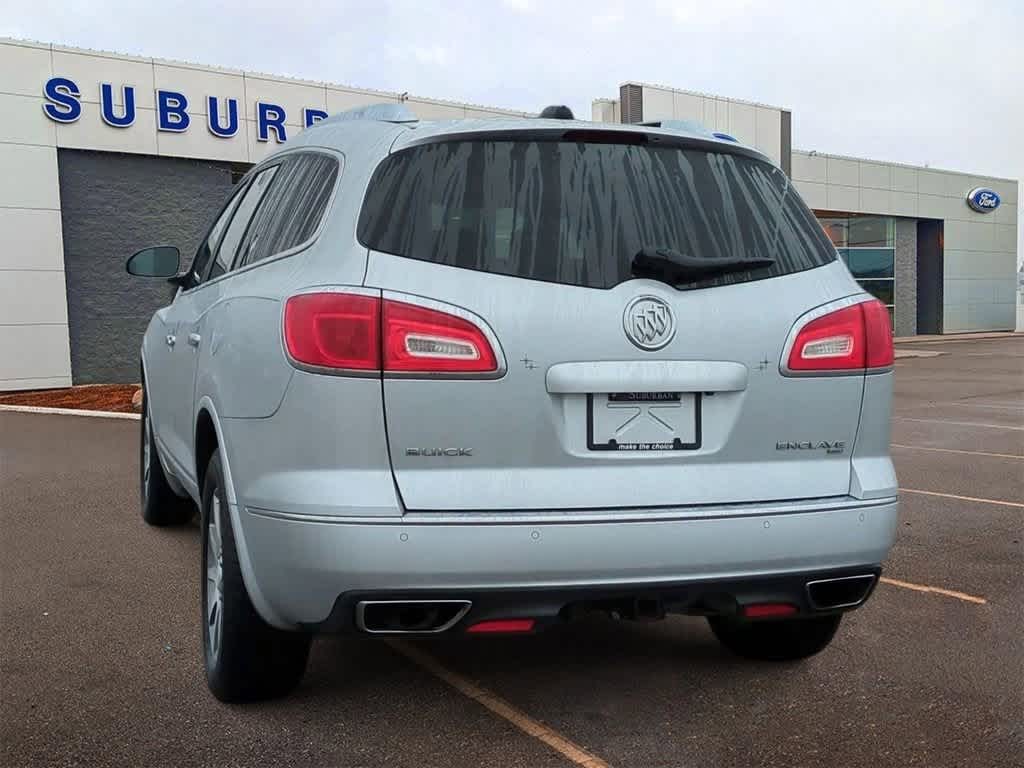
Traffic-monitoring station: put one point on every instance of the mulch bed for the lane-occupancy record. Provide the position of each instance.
(98, 397)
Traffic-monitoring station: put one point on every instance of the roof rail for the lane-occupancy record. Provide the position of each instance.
(385, 112)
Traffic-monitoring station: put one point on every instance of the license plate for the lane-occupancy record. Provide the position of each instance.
(643, 421)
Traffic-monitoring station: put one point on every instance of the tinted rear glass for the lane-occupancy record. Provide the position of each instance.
(577, 213)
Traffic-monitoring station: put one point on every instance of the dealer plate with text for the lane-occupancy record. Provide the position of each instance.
(643, 421)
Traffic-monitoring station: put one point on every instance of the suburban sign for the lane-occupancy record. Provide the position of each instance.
(63, 105)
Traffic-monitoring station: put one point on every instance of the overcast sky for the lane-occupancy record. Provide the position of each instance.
(938, 82)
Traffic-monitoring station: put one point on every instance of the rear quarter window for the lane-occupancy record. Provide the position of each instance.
(576, 213)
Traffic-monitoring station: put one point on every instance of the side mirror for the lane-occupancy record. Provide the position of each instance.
(158, 261)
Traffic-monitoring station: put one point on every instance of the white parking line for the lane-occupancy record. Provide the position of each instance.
(954, 450)
(999, 502)
(959, 423)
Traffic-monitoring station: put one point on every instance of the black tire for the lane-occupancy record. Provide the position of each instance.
(251, 660)
(775, 639)
(161, 506)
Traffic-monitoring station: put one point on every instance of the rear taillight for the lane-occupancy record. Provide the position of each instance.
(333, 330)
(853, 338)
(356, 332)
(421, 340)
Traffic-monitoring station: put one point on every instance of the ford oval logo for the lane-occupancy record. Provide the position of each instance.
(983, 200)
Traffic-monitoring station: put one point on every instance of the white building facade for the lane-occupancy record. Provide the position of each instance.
(101, 154)
(909, 234)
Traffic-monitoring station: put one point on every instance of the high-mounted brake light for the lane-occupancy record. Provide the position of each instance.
(356, 332)
(853, 338)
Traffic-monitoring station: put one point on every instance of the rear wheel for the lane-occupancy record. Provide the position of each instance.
(246, 658)
(161, 506)
(775, 639)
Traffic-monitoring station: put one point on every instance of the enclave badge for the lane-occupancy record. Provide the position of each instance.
(837, 446)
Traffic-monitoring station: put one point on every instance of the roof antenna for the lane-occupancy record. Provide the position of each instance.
(557, 112)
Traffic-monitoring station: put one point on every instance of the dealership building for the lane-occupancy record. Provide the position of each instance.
(102, 154)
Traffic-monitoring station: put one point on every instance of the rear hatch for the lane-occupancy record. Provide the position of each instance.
(617, 387)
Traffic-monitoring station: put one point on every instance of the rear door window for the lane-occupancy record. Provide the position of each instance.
(577, 212)
(209, 246)
(293, 208)
(247, 205)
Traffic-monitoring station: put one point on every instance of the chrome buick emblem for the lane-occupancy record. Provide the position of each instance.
(649, 323)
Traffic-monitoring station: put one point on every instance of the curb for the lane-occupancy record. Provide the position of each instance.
(69, 412)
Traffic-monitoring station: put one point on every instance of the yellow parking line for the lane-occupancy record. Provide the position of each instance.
(964, 498)
(500, 707)
(954, 450)
(934, 590)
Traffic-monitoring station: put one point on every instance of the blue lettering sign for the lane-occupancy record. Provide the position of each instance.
(170, 111)
(107, 106)
(62, 102)
(270, 116)
(311, 116)
(63, 105)
(213, 119)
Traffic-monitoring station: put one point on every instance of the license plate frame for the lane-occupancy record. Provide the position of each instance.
(644, 398)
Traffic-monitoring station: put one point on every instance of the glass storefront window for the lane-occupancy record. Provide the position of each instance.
(869, 263)
(872, 232)
(837, 230)
(880, 289)
(868, 246)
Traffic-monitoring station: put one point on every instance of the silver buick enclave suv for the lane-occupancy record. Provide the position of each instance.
(484, 376)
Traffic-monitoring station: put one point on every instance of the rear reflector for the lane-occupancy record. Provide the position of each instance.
(356, 332)
(767, 610)
(502, 625)
(853, 338)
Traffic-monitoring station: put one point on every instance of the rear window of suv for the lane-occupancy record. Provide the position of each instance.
(576, 212)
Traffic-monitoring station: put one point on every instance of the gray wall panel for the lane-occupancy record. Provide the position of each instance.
(113, 205)
(905, 272)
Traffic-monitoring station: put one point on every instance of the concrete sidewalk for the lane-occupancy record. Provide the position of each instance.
(957, 337)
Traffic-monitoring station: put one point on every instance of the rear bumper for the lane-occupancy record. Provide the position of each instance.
(304, 569)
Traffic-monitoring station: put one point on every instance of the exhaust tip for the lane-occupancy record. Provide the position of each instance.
(409, 616)
(841, 592)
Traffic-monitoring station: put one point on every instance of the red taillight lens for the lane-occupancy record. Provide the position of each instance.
(849, 339)
(333, 330)
(355, 332)
(502, 626)
(421, 340)
(768, 610)
(878, 333)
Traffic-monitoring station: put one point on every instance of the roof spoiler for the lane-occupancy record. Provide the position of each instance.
(385, 112)
(689, 126)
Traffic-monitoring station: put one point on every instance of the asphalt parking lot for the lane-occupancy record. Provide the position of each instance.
(100, 660)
